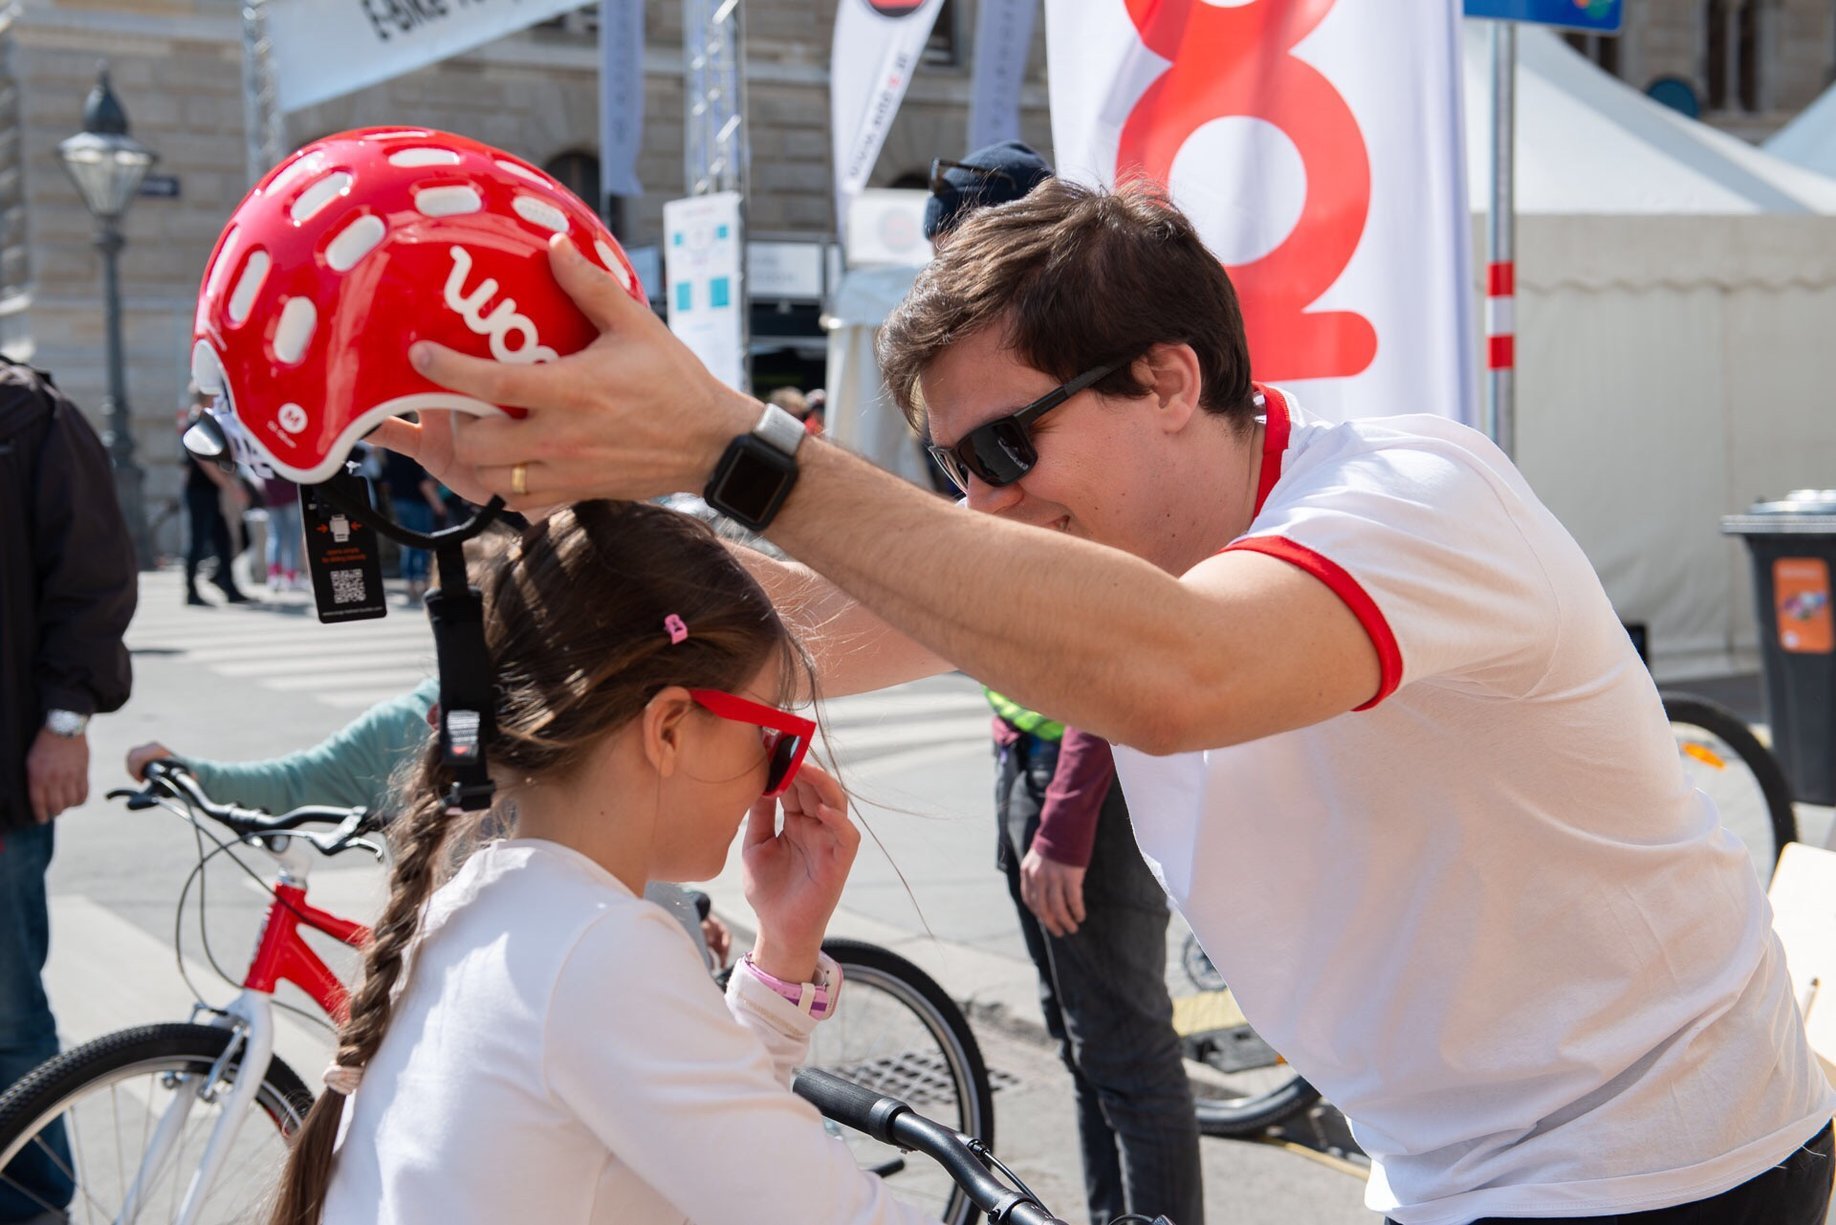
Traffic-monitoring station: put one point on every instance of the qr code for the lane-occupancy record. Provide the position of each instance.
(347, 586)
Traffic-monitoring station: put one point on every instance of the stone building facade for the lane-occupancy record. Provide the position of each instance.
(177, 67)
(1749, 65)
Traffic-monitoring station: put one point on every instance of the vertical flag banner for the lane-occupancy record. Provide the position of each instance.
(1318, 147)
(706, 292)
(621, 96)
(878, 44)
(1003, 37)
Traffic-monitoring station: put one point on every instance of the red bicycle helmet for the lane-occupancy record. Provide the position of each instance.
(361, 244)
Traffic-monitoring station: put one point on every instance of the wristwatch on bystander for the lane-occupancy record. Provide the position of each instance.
(66, 723)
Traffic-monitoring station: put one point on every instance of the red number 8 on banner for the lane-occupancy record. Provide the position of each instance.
(1238, 61)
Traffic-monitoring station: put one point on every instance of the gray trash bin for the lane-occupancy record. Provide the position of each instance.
(1793, 545)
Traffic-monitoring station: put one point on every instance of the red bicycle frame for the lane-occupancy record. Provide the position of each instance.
(283, 953)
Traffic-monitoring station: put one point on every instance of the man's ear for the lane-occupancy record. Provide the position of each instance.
(1171, 373)
(665, 728)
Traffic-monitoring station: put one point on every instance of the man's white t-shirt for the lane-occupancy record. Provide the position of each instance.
(1485, 914)
(560, 1055)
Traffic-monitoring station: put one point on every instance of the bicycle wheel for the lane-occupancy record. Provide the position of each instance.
(1240, 1086)
(74, 1131)
(898, 1033)
(1725, 760)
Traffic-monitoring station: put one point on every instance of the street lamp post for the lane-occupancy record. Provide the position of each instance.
(107, 165)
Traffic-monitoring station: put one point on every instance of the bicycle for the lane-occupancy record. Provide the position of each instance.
(1725, 760)
(148, 1123)
(969, 1163)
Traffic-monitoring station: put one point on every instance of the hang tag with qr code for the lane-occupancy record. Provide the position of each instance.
(343, 553)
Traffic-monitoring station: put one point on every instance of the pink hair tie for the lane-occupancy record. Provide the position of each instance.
(678, 629)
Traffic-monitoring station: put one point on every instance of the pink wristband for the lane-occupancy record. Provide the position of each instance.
(814, 998)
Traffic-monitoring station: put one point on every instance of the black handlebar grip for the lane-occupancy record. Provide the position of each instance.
(848, 1103)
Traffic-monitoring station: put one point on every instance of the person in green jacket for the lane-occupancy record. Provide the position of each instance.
(350, 767)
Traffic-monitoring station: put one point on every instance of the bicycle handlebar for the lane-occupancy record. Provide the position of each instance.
(891, 1121)
(172, 778)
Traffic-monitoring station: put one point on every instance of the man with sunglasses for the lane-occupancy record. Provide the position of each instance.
(1093, 918)
(1386, 744)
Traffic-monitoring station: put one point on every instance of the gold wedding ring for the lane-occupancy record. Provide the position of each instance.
(519, 480)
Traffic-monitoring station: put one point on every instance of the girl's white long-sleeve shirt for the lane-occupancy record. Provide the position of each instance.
(560, 1055)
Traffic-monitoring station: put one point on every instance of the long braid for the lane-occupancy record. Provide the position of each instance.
(421, 835)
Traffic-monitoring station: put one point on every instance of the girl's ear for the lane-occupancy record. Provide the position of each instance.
(665, 729)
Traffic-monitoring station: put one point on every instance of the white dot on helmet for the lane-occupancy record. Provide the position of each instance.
(540, 212)
(254, 272)
(316, 197)
(447, 201)
(355, 241)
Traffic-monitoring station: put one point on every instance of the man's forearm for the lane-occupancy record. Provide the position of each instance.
(855, 651)
(1048, 614)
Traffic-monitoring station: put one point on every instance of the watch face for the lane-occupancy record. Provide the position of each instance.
(751, 484)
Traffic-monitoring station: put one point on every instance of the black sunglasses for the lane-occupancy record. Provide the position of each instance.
(1000, 452)
(943, 186)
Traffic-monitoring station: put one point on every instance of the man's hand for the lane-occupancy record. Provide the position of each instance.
(141, 754)
(633, 415)
(1053, 891)
(57, 774)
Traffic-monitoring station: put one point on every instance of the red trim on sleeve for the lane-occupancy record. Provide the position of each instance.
(1343, 585)
(1274, 442)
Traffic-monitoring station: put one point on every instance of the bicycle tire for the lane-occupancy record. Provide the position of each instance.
(54, 1091)
(1689, 710)
(949, 1083)
(1240, 1087)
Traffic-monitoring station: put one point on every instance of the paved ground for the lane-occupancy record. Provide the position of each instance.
(253, 682)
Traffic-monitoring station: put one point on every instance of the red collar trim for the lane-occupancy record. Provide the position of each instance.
(1274, 441)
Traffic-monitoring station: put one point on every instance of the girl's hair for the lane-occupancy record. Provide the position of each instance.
(575, 624)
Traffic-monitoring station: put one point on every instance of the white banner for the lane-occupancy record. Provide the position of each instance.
(325, 48)
(621, 95)
(707, 293)
(878, 44)
(1317, 145)
(1003, 37)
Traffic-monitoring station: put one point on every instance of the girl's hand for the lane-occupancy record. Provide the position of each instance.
(794, 877)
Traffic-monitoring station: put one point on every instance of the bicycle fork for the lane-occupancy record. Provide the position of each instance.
(251, 1047)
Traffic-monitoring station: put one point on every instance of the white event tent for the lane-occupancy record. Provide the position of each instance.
(1675, 291)
(1810, 139)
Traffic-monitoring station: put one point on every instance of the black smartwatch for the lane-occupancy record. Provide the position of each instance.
(757, 471)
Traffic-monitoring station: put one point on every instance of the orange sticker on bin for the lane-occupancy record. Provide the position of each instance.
(1801, 595)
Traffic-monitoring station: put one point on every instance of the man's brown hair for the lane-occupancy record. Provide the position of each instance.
(1077, 277)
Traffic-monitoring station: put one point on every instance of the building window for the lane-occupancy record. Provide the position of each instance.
(944, 48)
(1732, 49)
(1601, 48)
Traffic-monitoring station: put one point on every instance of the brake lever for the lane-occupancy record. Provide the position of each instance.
(344, 835)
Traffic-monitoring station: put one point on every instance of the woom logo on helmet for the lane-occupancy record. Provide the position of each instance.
(362, 244)
(502, 322)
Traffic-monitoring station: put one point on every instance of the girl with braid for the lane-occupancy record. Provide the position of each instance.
(531, 1040)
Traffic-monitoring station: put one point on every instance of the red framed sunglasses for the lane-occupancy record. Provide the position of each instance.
(786, 736)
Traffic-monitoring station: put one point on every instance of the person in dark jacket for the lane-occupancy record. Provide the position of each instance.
(67, 591)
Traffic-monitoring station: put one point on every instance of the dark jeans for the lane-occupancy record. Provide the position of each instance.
(1794, 1192)
(1103, 990)
(417, 516)
(28, 1032)
(209, 534)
